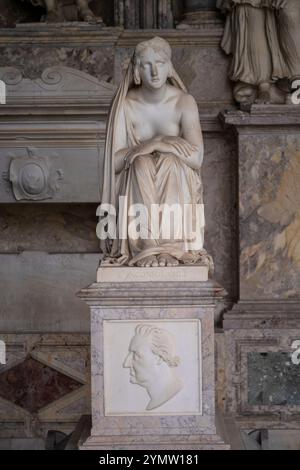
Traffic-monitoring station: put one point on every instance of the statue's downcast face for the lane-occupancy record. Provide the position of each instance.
(153, 69)
(152, 63)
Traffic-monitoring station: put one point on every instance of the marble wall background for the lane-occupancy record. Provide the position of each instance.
(269, 217)
(69, 230)
(48, 251)
(44, 384)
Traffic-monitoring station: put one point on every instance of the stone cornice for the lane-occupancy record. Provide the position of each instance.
(261, 117)
(58, 35)
(153, 293)
(15, 133)
(76, 35)
(176, 37)
(14, 117)
(263, 314)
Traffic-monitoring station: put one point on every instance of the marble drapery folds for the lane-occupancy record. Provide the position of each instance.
(263, 37)
(160, 179)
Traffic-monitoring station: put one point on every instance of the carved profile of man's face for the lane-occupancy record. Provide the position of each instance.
(154, 69)
(141, 361)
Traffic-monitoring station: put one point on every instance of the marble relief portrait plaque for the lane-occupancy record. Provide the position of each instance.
(152, 367)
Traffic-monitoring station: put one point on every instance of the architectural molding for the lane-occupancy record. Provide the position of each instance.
(41, 35)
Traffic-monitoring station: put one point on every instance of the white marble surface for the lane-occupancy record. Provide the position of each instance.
(127, 369)
(118, 405)
(164, 274)
(158, 424)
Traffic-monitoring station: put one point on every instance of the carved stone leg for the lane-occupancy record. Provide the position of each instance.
(53, 15)
(264, 96)
(86, 13)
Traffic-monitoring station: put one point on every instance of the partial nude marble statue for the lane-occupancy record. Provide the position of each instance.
(153, 156)
(55, 11)
(263, 37)
(152, 361)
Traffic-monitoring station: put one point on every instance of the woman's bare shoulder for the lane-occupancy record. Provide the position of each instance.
(182, 96)
(187, 101)
(132, 95)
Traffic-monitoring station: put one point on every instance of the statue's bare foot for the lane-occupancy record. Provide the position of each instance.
(167, 260)
(147, 262)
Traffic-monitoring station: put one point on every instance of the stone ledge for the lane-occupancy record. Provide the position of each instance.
(163, 274)
(77, 34)
(262, 116)
(198, 442)
(152, 293)
(277, 314)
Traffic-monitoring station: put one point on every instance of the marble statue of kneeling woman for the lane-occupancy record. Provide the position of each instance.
(153, 156)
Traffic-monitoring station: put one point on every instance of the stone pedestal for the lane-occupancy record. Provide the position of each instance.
(263, 328)
(152, 350)
(268, 139)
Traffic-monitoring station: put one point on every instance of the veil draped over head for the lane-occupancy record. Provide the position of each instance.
(109, 191)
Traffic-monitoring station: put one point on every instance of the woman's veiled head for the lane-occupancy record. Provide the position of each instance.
(152, 63)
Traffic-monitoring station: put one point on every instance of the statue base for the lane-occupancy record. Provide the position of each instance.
(165, 274)
(203, 442)
(133, 407)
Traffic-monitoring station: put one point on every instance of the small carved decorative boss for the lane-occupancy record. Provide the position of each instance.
(33, 177)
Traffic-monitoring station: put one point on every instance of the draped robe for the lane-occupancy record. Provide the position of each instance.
(159, 179)
(263, 37)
